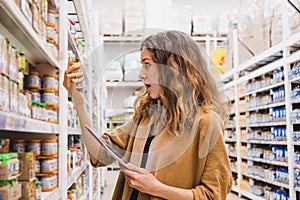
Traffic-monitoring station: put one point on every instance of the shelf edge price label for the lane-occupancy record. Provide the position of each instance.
(10, 122)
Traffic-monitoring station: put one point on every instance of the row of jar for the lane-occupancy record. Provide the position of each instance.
(38, 147)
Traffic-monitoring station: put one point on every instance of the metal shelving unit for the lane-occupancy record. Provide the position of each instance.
(278, 56)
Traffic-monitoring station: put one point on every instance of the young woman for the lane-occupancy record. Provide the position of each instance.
(174, 142)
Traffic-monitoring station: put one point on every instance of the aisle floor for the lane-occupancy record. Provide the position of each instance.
(111, 178)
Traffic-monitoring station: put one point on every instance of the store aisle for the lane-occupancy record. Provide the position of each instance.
(112, 178)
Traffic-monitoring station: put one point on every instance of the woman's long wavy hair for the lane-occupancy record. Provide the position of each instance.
(185, 82)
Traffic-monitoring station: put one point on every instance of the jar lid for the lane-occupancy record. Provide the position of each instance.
(35, 141)
(34, 90)
(50, 140)
(51, 11)
(51, 75)
(34, 73)
(48, 90)
(18, 141)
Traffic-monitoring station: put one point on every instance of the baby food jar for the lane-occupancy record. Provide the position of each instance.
(50, 81)
(49, 182)
(51, 18)
(48, 97)
(33, 80)
(49, 165)
(37, 167)
(36, 95)
(34, 146)
(18, 146)
(49, 147)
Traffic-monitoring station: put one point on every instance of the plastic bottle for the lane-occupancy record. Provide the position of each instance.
(38, 190)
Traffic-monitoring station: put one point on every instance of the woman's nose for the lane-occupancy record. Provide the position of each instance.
(142, 75)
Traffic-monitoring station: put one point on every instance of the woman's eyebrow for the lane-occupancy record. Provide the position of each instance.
(145, 59)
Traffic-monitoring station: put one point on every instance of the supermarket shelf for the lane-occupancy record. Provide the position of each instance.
(228, 85)
(55, 194)
(234, 170)
(74, 131)
(232, 155)
(262, 70)
(228, 75)
(76, 173)
(297, 166)
(262, 89)
(293, 57)
(271, 162)
(297, 143)
(235, 188)
(74, 48)
(265, 142)
(122, 84)
(250, 195)
(267, 181)
(295, 79)
(14, 122)
(264, 124)
(295, 100)
(295, 121)
(85, 196)
(81, 13)
(260, 57)
(12, 18)
(229, 140)
(273, 105)
(297, 189)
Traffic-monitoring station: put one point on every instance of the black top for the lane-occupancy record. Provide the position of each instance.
(135, 192)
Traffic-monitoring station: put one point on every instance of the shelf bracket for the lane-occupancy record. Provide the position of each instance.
(293, 5)
(244, 45)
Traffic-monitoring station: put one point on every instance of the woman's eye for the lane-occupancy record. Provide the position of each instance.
(147, 65)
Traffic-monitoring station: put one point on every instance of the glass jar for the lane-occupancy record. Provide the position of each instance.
(49, 165)
(18, 146)
(49, 147)
(34, 146)
(48, 97)
(33, 80)
(51, 18)
(35, 95)
(50, 81)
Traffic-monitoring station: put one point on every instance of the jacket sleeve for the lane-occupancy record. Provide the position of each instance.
(216, 180)
(118, 140)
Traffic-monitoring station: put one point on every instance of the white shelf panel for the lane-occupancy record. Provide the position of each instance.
(76, 173)
(295, 79)
(267, 181)
(262, 70)
(235, 188)
(234, 170)
(272, 162)
(265, 142)
(265, 54)
(232, 155)
(55, 194)
(297, 189)
(229, 85)
(204, 38)
(297, 143)
(12, 18)
(14, 122)
(294, 57)
(82, 16)
(74, 131)
(264, 124)
(262, 89)
(250, 195)
(264, 107)
(229, 140)
(227, 75)
(122, 84)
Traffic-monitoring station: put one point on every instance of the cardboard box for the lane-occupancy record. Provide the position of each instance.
(9, 165)
(28, 166)
(9, 192)
(28, 190)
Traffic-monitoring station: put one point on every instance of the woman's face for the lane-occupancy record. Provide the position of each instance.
(149, 74)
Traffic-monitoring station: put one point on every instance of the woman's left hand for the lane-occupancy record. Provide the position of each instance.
(142, 180)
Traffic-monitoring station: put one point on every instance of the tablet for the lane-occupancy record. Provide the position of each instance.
(109, 149)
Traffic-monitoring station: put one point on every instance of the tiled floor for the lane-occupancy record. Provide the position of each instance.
(112, 176)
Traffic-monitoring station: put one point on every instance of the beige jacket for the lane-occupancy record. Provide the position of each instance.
(197, 160)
